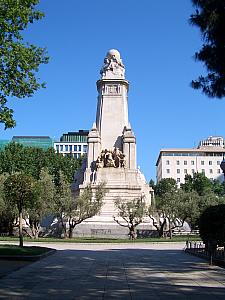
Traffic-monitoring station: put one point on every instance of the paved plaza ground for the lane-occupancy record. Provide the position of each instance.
(116, 271)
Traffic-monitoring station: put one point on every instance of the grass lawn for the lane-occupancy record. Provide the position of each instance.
(106, 240)
(13, 250)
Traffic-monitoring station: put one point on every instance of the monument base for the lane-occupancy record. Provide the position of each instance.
(111, 230)
(122, 183)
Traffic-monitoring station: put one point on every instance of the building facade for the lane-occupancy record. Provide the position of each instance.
(206, 158)
(72, 143)
(43, 142)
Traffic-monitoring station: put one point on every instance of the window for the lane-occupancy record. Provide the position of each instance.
(78, 155)
(178, 171)
(71, 148)
(84, 148)
(202, 162)
(79, 148)
(192, 162)
(75, 147)
(185, 162)
(192, 171)
(210, 171)
(57, 148)
(218, 162)
(210, 162)
(178, 180)
(203, 171)
(66, 147)
(61, 148)
(178, 162)
(167, 171)
(185, 171)
(218, 171)
(167, 162)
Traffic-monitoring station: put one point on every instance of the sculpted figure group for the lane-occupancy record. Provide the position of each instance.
(111, 158)
(113, 64)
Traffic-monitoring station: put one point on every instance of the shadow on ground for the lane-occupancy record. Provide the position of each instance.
(116, 274)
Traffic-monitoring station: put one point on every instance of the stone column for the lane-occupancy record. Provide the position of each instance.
(94, 147)
(129, 148)
(112, 111)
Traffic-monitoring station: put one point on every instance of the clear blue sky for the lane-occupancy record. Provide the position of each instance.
(157, 45)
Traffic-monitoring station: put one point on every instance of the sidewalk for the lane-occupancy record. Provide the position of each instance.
(8, 266)
(116, 271)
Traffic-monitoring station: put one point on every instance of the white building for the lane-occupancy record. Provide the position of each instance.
(176, 163)
(72, 144)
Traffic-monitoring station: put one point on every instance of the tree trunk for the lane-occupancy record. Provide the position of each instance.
(65, 236)
(132, 232)
(170, 230)
(21, 228)
(71, 232)
(161, 228)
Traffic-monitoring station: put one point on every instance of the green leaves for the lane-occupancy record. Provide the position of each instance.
(18, 190)
(75, 209)
(19, 62)
(212, 225)
(29, 160)
(210, 18)
(165, 185)
(132, 211)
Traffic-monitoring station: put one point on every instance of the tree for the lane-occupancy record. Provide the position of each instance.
(43, 204)
(19, 61)
(209, 199)
(19, 191)
(73, 210)
(165, 185)
(210, 19)
(212, 226)
(198, 182)
(132, 212)
(7, 211)
(174, 206)
(30, 160)
(218, 188)
(152, 184)
(188, 209)
(57, 163)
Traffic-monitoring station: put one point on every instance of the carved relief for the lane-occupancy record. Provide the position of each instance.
(114, 89)
(109, 158)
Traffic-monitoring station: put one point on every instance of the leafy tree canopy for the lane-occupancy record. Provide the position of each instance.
(166, 185)
(198, 182)
(132, 213)
(212, 225)
(30, 160)
(210, 19)
(19, 191)
(152, 184)
(19, 61)
(73, 210)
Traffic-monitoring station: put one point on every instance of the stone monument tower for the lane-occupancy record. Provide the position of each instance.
(111, 156)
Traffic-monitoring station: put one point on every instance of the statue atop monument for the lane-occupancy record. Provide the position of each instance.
(113, 67)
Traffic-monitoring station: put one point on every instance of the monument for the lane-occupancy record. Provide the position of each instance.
(111, 156)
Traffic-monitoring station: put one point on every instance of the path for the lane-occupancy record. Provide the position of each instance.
(116, 271)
